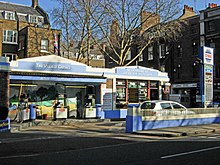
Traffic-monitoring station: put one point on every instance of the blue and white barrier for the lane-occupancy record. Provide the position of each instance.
(135, 121)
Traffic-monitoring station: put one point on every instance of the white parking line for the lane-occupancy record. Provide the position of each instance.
(191, 152)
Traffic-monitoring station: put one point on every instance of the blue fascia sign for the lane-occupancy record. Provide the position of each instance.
(50, 66)
(137, 71)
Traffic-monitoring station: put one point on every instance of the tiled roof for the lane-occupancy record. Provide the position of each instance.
(5, 6)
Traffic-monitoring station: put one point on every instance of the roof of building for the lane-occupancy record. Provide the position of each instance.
(5, 6)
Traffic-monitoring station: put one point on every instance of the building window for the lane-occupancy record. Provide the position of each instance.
(217, 71)
(212, 44)
(10, 36)
(12, 57)
(179, 51)
(150, 53)
(211, 26)
(179, 71)
(163, 68)
(195, 49)
(194, 28)
(9, 15)
(141, 57)
(162, 50)
(32, 19)
(128, 57)
(44, 45)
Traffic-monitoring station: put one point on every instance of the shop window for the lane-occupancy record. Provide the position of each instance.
(10, 36)
(9, 15)
(133, 91)
(150, 53)
(142, 88)
(44, 45)
(121, 90)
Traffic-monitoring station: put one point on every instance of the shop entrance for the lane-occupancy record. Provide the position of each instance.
(47, 96)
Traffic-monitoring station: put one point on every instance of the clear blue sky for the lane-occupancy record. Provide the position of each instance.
(49, 4)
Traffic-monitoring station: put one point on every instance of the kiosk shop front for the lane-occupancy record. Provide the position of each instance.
(82, 87)
(49, 80)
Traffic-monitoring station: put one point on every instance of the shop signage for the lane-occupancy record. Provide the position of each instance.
(207, 55)
(138, 71)
(61, 113)
(192, 85)
(52, 66)
(206, 78)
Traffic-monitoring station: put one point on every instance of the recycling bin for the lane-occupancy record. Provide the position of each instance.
(32, 108)
(98, 110)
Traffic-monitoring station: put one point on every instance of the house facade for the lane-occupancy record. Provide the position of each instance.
(25, 31)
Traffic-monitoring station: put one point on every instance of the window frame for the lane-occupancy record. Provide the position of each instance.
(150, 53)
(31, 20)
(12, 57)
(141, 57)
(44, 47)
(6, 36)
(8, 15)
(128, 56)
(162, 50)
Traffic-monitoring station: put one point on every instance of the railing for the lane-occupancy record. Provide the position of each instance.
(179, 112)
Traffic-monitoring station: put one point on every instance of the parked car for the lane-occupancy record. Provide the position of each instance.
(164, 108)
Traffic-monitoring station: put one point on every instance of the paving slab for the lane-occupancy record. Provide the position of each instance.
(181, 131)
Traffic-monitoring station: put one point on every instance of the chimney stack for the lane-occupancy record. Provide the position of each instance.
(187, 12)
(34, 3)
(212, 5)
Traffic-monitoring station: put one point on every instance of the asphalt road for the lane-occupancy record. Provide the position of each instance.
(62, 146)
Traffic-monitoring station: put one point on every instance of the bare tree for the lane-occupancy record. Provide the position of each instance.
(73, 17)
(132, 23)
(139, 22)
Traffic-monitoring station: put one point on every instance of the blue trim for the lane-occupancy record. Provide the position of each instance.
(4, 64)
(115, 114)
(177, 123)
(134, 105)
(60, 79)
(5, 125)
(133, 124)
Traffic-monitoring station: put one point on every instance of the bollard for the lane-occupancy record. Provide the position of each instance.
(133, 118)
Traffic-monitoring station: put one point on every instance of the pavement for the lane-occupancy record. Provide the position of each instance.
(108, 126)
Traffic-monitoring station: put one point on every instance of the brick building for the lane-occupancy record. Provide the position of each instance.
(180, 58)
(25, 31)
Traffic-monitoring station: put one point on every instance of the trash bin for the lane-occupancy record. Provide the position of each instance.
(32, 108)
(98, 110)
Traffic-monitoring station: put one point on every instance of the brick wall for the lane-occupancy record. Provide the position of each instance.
(35, 35)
